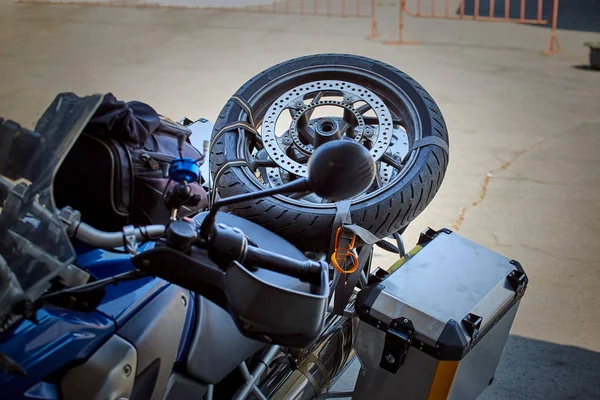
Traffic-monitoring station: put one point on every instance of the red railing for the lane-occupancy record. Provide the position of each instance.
(405, 11)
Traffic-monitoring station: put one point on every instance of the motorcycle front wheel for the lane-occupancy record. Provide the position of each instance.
(344, 96)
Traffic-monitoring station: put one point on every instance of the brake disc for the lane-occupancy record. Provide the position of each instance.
(302, 101)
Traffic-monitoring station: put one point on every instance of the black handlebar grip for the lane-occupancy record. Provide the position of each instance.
(307, 271)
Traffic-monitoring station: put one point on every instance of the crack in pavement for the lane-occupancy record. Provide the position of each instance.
(486, 179)
(486, 182)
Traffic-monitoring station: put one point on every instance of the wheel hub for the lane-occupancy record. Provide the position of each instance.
(306, 111)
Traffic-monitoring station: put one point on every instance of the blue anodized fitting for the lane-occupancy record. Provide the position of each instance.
(184, 170)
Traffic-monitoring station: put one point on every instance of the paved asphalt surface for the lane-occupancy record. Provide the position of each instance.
(524, 174)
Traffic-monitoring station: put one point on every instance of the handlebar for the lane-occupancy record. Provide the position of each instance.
(305, 270)
(309, 271)
(97, 238)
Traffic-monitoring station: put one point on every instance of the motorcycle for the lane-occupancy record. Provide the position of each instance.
(218, 306)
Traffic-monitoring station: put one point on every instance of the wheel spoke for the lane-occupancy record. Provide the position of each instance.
(257, 139)
(262, 159)
(306, 131)
(364, 108)
(298, 195)
(305, 196)
(315, 99)
(265, 163)
(375, 121)
(303, 120)
(348, 127)
(388, 159)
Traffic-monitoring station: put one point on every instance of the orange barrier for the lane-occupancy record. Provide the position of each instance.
(552, 48)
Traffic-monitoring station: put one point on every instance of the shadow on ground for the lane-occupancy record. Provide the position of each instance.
(587, 68)
(534, 369)
(579, 15)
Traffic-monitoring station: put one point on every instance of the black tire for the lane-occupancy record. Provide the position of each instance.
(309, 227)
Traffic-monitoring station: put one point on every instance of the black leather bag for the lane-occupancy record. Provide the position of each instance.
(116, 174)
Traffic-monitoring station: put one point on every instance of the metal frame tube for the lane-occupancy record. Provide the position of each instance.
(209, 392)
(253, 378)
(522, 10)
(553, 46)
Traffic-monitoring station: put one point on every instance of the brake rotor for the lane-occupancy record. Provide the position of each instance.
(278, 147)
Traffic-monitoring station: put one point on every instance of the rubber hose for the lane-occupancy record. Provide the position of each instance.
(387, 246)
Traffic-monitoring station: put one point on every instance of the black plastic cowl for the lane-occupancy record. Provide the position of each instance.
(452, 343)
(364, 303)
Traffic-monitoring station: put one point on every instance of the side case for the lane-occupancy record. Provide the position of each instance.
(435, 325)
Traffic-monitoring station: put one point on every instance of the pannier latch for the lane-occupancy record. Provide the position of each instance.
(472, 324)
(398, 338)
(517, 280)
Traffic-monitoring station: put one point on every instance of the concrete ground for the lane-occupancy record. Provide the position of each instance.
(524, 176)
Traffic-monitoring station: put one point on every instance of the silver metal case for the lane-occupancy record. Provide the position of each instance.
(435, 325)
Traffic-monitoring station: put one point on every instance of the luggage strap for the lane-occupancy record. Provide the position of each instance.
(348, 266)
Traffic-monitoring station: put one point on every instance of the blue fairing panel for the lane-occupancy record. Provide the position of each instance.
(63, 336)
(123, 300)
(60, 337)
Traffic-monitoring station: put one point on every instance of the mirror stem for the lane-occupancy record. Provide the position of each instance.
(299, 185)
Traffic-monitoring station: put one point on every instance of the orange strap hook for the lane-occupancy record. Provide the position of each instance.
(344, 252)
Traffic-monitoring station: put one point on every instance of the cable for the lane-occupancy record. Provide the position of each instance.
(213, 193)
(248, 127)
(127, 276)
